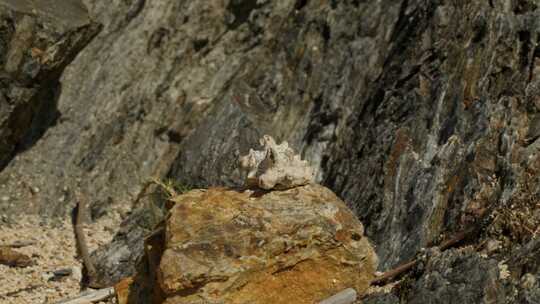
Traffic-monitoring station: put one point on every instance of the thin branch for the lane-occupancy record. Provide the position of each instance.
(388, 276)
(19, 244)
(391, 274)
(82, 243)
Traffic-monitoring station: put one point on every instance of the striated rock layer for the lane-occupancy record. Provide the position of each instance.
(35, 47)
(422, 115)
(224, 246)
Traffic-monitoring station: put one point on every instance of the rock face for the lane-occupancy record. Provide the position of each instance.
(34, 50)
(465, 276)
(275, 167)
(423, 116)
(224, 246)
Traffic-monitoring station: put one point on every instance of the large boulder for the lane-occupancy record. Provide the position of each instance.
(228, 246)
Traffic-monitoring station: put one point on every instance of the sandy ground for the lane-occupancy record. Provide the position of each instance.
(51, 249)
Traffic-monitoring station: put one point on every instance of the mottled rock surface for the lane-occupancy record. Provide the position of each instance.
(465, 276)
(34, 50)
(423, 116)
(225, 246)
(65, 13)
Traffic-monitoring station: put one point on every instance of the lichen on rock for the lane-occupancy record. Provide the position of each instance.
(275, 167)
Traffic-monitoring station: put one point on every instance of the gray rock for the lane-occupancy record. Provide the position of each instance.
(421, 115)
(34, 50)
(66, 13)
(464, 276)
(458, 277)
(381, 298)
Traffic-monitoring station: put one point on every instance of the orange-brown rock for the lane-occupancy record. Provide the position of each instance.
(14, 258)
(121, 289)
(226, 246)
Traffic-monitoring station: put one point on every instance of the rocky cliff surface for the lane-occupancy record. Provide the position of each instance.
(36, 44)
(422, 115)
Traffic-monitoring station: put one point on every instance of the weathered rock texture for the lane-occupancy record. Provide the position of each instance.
(224, 246)
(422, 115)
(275, 167)
(465, 276)
(34, 50)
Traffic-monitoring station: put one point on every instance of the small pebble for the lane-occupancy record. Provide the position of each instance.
(63, 272)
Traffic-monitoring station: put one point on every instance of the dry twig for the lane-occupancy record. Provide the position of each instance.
(388, 276)
(82, 243)
(19, 244)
